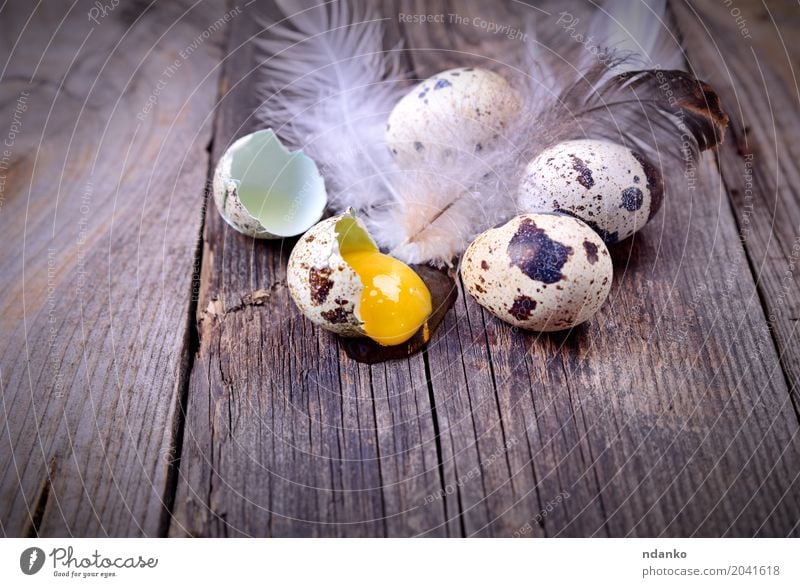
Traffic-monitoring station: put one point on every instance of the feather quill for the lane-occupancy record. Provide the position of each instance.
(443, 205)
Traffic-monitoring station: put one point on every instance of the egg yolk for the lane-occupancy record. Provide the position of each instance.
(395, 302)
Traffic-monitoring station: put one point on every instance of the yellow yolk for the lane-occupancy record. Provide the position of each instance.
(395, 302)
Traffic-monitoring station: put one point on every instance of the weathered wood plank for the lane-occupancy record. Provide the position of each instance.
(759, 164)
(101, 211)
(286, 436)
(654, 418)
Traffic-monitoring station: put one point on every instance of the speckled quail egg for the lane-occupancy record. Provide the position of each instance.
(463, 109)
(541, 272)
(612, 188)
(341, 281)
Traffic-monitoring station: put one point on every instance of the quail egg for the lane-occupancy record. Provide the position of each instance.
(341, 281)
(463, 109)
(541, 272)
(612, 188)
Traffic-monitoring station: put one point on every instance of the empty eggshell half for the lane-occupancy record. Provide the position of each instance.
(265, 191)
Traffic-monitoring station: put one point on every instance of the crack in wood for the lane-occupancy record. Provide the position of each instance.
(191, 346)
(40, 505)
(216, 308)
(437, 439)
(762, 296)
(378, 451)
(744, 146)
(592, 462)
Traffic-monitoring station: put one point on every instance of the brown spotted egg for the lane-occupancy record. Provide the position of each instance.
(612, 188)
(463, 109)
(541, 272)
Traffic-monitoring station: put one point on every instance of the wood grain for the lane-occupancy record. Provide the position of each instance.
(100, 217)
(154, 385)
(759, 164)
(625, 415)
(649, 421)
(285, 435)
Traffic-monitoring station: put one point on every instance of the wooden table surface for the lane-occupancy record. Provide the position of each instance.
(157, 380)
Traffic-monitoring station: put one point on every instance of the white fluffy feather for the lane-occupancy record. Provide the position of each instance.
(328, 87)
(442, 206)
(333, 86)
(642, 30)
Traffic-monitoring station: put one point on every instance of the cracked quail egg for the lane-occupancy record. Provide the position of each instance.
(341, 281)
(541, 272)
(263, 190)
(612, 188)
(462, 109)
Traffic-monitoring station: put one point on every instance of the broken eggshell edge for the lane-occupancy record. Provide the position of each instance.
(322, 284)
(309, 187)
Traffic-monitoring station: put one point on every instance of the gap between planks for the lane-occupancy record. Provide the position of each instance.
(190, 344)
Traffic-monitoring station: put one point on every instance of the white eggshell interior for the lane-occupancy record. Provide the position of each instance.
(282, 190)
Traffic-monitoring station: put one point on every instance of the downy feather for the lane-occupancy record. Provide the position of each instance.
(568, 88)
(328, 86)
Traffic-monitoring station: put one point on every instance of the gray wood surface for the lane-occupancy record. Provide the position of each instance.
(184, 394)
(100, 219)
(331, 447)
(644, 419)
(759, 164)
